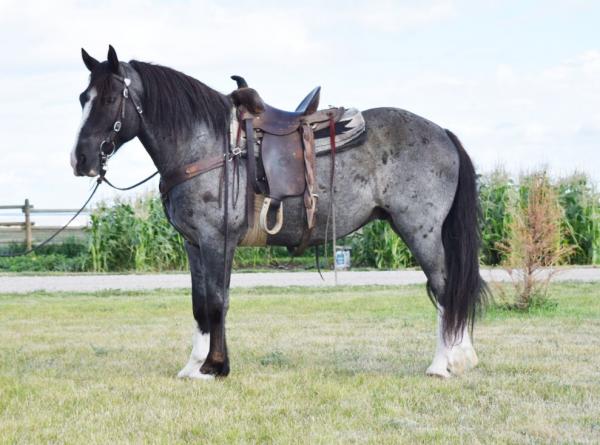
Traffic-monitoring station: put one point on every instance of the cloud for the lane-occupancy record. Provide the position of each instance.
(393, 16)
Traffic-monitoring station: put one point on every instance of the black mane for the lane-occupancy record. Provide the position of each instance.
(176, 102)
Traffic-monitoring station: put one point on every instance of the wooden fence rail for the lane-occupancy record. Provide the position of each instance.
(11, 232)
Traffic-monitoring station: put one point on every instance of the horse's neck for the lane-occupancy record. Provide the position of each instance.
(171, 153)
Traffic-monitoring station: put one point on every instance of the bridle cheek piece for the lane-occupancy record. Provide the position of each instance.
(108, 146)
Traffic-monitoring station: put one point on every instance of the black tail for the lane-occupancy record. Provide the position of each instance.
(465, 290)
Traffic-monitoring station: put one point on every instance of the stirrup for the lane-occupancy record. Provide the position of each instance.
(263, 217)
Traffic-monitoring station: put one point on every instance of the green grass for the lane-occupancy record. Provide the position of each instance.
(326, 366)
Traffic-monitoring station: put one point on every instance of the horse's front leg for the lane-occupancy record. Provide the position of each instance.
(201, 337)
(217, 276)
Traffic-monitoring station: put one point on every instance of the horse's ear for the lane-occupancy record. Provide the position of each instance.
(88, 60)
(113, 60)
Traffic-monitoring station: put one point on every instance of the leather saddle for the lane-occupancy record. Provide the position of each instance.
(286, 149)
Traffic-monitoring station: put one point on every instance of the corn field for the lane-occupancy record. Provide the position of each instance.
(135, 235)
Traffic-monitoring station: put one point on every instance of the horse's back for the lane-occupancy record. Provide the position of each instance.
(412, 150)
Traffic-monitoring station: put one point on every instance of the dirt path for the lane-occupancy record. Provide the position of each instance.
(87, 283)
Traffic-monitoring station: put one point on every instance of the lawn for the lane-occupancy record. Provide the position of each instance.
(326, 366)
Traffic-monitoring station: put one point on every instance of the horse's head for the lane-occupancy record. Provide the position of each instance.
(111, 112)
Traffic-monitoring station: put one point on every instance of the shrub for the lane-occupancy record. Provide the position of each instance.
(535, 242)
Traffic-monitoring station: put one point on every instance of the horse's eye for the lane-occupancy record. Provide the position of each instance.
(109, 100)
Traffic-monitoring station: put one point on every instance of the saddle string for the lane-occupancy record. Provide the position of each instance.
(331, 210)
(332, 190)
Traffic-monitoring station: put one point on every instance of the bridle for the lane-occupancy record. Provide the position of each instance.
(108, 147)
(109, 142)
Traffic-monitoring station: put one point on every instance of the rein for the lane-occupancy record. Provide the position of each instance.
(99, 181)
(55, 234)
(105, 155)
(108, 148)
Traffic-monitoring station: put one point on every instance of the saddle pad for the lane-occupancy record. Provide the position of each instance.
(347, 130)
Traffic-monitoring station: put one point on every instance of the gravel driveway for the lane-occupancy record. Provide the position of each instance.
(87, 283)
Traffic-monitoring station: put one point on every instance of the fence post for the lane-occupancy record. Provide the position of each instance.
(28, 236)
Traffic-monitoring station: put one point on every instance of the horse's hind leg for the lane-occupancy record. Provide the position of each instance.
(451, 356)
(454, 358)
(201, 336)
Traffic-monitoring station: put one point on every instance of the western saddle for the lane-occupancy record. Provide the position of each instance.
(286, 157)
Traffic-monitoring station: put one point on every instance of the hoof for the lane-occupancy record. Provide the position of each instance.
(194, 373)
(197, 375)
(214, 368)
(189, 369)
(457, 362)
(462, 359)
(471, 357)
(439, 372)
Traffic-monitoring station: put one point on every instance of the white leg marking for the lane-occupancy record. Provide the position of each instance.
(200, 347)
(439, 365)
(452, 359)
(87, 108)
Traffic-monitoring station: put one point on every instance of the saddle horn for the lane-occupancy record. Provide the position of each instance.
(241, 82)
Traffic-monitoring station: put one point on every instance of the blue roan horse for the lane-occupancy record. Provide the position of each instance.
(406, 170)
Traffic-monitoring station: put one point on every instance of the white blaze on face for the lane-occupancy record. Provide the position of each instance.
(87, 108)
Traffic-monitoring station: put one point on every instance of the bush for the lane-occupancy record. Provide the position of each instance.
(69, 256)
(43, 263)
(535, 241)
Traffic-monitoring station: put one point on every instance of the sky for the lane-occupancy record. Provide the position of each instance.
(517, 81)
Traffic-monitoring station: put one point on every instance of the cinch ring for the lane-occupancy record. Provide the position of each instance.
(110, 153)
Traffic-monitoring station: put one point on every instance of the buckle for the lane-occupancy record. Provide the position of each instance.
(235, 152)
(117, 126)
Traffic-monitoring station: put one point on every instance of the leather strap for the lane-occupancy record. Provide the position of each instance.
(190, 171)
(310, 198)
(308, 141)
(251, 160)
(332, 192)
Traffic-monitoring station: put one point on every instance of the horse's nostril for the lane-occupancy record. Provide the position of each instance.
(82, 159)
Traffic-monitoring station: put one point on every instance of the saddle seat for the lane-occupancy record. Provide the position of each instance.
(280, 122)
